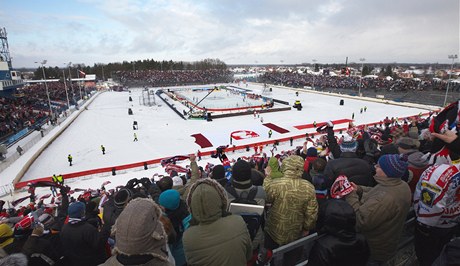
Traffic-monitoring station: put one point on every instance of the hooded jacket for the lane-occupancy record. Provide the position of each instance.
(339, 243)
(275, 168)
(214, 236)
(381, 212)
(294, 206)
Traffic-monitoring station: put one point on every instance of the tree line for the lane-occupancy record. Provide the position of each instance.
(107, 70)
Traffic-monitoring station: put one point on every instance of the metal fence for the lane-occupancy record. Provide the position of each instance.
(405, 254)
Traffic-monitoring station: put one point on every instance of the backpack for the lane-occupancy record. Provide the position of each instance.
(253, 220)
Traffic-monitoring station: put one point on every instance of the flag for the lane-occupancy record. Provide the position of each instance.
(81, 74)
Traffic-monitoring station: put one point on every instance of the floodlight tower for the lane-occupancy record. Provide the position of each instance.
(4, 49)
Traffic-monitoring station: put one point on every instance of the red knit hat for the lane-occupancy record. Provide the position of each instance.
(341, 187)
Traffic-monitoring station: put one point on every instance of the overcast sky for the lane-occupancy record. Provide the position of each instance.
(235, 31)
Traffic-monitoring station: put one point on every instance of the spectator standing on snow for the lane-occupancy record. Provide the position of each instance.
(69, 159)
(103, 149)
(19, 150)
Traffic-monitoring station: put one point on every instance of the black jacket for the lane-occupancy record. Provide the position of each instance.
(83, 244)
(357, 170)
(338, 244)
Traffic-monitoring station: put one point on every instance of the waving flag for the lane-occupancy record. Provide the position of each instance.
(81, 74)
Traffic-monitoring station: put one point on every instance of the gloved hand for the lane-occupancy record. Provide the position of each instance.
(132, 183)
(146, 182)
(38, 230)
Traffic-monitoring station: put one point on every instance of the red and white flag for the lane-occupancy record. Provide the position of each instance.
(81, 74)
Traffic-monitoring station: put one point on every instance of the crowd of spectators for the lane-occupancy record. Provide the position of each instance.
(175, 77)
(325, 82)
(356, 190)
(28, 106)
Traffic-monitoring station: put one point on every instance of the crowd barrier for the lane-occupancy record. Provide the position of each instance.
(405, 254)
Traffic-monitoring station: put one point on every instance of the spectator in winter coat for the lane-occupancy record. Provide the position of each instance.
(196, 174)
(381, 211)
(437, 207)
(312, 154)
(6, 235)
(214, 237)
(176, 210)
(319, 180)
(294, 207)
(218, 174)
(357, 170)
(140, 236)
(339, 244)
(408, 147)
(82, 243)
(257, 176)
(38, 245)
(240, 187)
(272, 170)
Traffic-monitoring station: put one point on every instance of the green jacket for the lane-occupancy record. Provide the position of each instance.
(294, 207)
(214, 237)
(381, 212)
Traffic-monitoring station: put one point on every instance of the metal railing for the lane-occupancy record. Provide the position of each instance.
(403, 257)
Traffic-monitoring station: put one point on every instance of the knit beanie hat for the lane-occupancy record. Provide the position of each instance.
(392, 165)
(177, 181)
(76, 210)
(165, 183)
(341, 187)
(138, 230)
(6, 235)
(218, 172)
(122, 197)
(349, 144)
(408, 143)
(23, 228)
(241, 175)
(312, 152)
(417, 159)
(169, 199)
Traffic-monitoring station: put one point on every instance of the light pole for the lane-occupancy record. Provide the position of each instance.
(46, 85)
(314, 76)
(361, 77)
(70, 82)
(66, 93)
(453, 57)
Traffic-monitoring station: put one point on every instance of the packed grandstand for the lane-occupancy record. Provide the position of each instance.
(376, 194)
